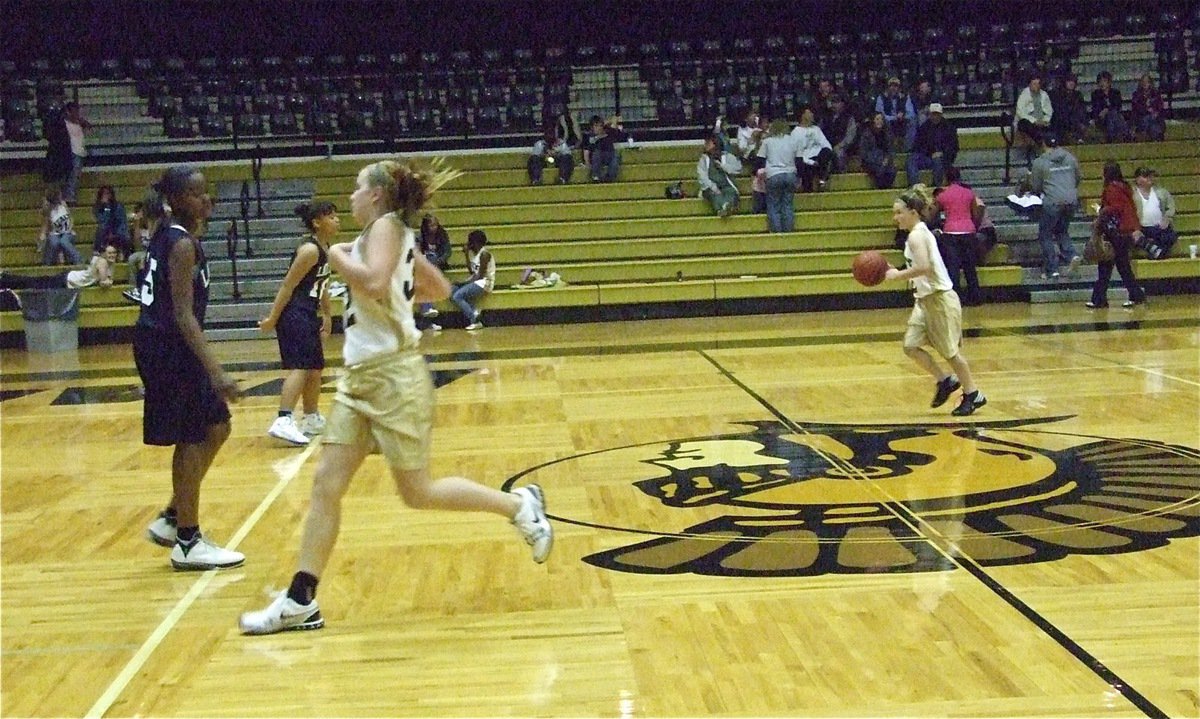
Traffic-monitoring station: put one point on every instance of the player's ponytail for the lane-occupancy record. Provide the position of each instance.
(409, 186)
(308, 212)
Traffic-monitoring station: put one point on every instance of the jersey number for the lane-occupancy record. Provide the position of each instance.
(147, 293)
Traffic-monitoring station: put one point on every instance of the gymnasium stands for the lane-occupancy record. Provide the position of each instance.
(622, 249)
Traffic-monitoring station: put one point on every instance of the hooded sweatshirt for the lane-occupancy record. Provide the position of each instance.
(1056, 177)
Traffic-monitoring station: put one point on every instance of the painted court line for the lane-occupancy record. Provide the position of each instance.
(287, 471)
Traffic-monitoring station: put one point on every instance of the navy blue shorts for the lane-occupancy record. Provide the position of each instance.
(181, 403)
(299, 334)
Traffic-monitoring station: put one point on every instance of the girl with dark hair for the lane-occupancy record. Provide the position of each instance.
(434, 243)
(1116, 205)
(186, 388)
(482, 265)
(301, 320)
(957, 240)
(112, 227)
(875, 149)
(384, 401)
(936, 319)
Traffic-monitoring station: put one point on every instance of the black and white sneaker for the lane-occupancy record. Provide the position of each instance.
(282, 615)
(970, 403)
(945, 388)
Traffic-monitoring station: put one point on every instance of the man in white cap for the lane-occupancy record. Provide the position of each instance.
(935, 147)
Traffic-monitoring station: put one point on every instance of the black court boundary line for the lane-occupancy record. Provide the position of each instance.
(653, 347)
(1106, 675)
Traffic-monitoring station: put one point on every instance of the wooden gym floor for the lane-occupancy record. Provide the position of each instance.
(756, 516)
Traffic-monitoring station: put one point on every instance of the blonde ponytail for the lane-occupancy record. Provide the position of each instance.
(409, 185)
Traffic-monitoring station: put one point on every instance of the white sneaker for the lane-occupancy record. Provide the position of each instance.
(312, 424)
(434, 327)
(430, 313)
(476, 325)
(532, 523)
(204, 555)
(285, 428)
(162, 530)
(282, 615)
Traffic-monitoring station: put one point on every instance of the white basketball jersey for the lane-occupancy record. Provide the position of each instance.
(377, 327)
(939, 280)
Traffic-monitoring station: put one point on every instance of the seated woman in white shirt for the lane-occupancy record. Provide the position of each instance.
(483, 278)
(814, 154)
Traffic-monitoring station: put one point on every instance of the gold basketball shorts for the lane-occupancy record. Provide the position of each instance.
(936, 320)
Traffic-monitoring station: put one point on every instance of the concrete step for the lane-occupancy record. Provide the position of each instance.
(271, 189)
(1116, 295)
(225, 334)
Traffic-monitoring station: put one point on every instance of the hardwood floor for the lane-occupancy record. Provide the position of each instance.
(755, 516)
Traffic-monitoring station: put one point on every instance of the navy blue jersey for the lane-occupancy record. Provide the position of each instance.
(158, 312)
(307, 295)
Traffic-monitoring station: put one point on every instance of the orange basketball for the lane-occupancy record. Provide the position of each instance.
(869, 268)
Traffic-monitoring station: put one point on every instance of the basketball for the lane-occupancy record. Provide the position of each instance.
(869, 268)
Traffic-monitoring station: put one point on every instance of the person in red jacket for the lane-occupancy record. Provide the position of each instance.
(1116, 201)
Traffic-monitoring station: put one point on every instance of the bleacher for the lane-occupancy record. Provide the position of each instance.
(622, 249)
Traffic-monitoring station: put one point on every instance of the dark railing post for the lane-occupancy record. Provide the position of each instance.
(231, 239)
(1006, 132)
(245, 210)
(617, 90)
(256, 167)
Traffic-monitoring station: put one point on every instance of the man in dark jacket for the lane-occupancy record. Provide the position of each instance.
(935, 147)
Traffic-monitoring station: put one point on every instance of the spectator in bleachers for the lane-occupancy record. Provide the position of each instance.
(893, 105)
(1146, 109)
(57, 239)
(144, 221)
(1056, 176)
(1156, 210)
(917, 109)
(727, 147)
(112, 225)
(822, 104)
(483, 278)
(716, 185)
(98, 272)
(958, 203)
(778, 150)
(1070, 119)
(875, 149)
(76, 126)
(566, 128)
(935, 147)
(551, 150)
(1116, 204)
(750, 135)
(600, 148)
(841, 129)
(434, 243)
(814, 154)
(1034, 111)
(1106, 109)
(56, 169)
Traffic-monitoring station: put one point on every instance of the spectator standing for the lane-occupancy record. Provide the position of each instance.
(1116, 205)
(1056, 176)
(841, 129)
(957, 244)
(77, 125)
(1156, 211)
(919, 103)
(894, 106)
(875, 149)
(482, 266)
(814, 154)
(1146, 109)
(112, 225)
(551, 150)
(57, 238)
(935, 147)
(1070, 119)
(56, 169)
(1034, 111)
(1106, 109)
(778, 150)
(715, 182)
(822, 104)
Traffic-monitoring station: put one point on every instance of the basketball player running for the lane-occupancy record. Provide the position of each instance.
(186, 388)
(300, 318)
(936, 318)
(384, 401)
